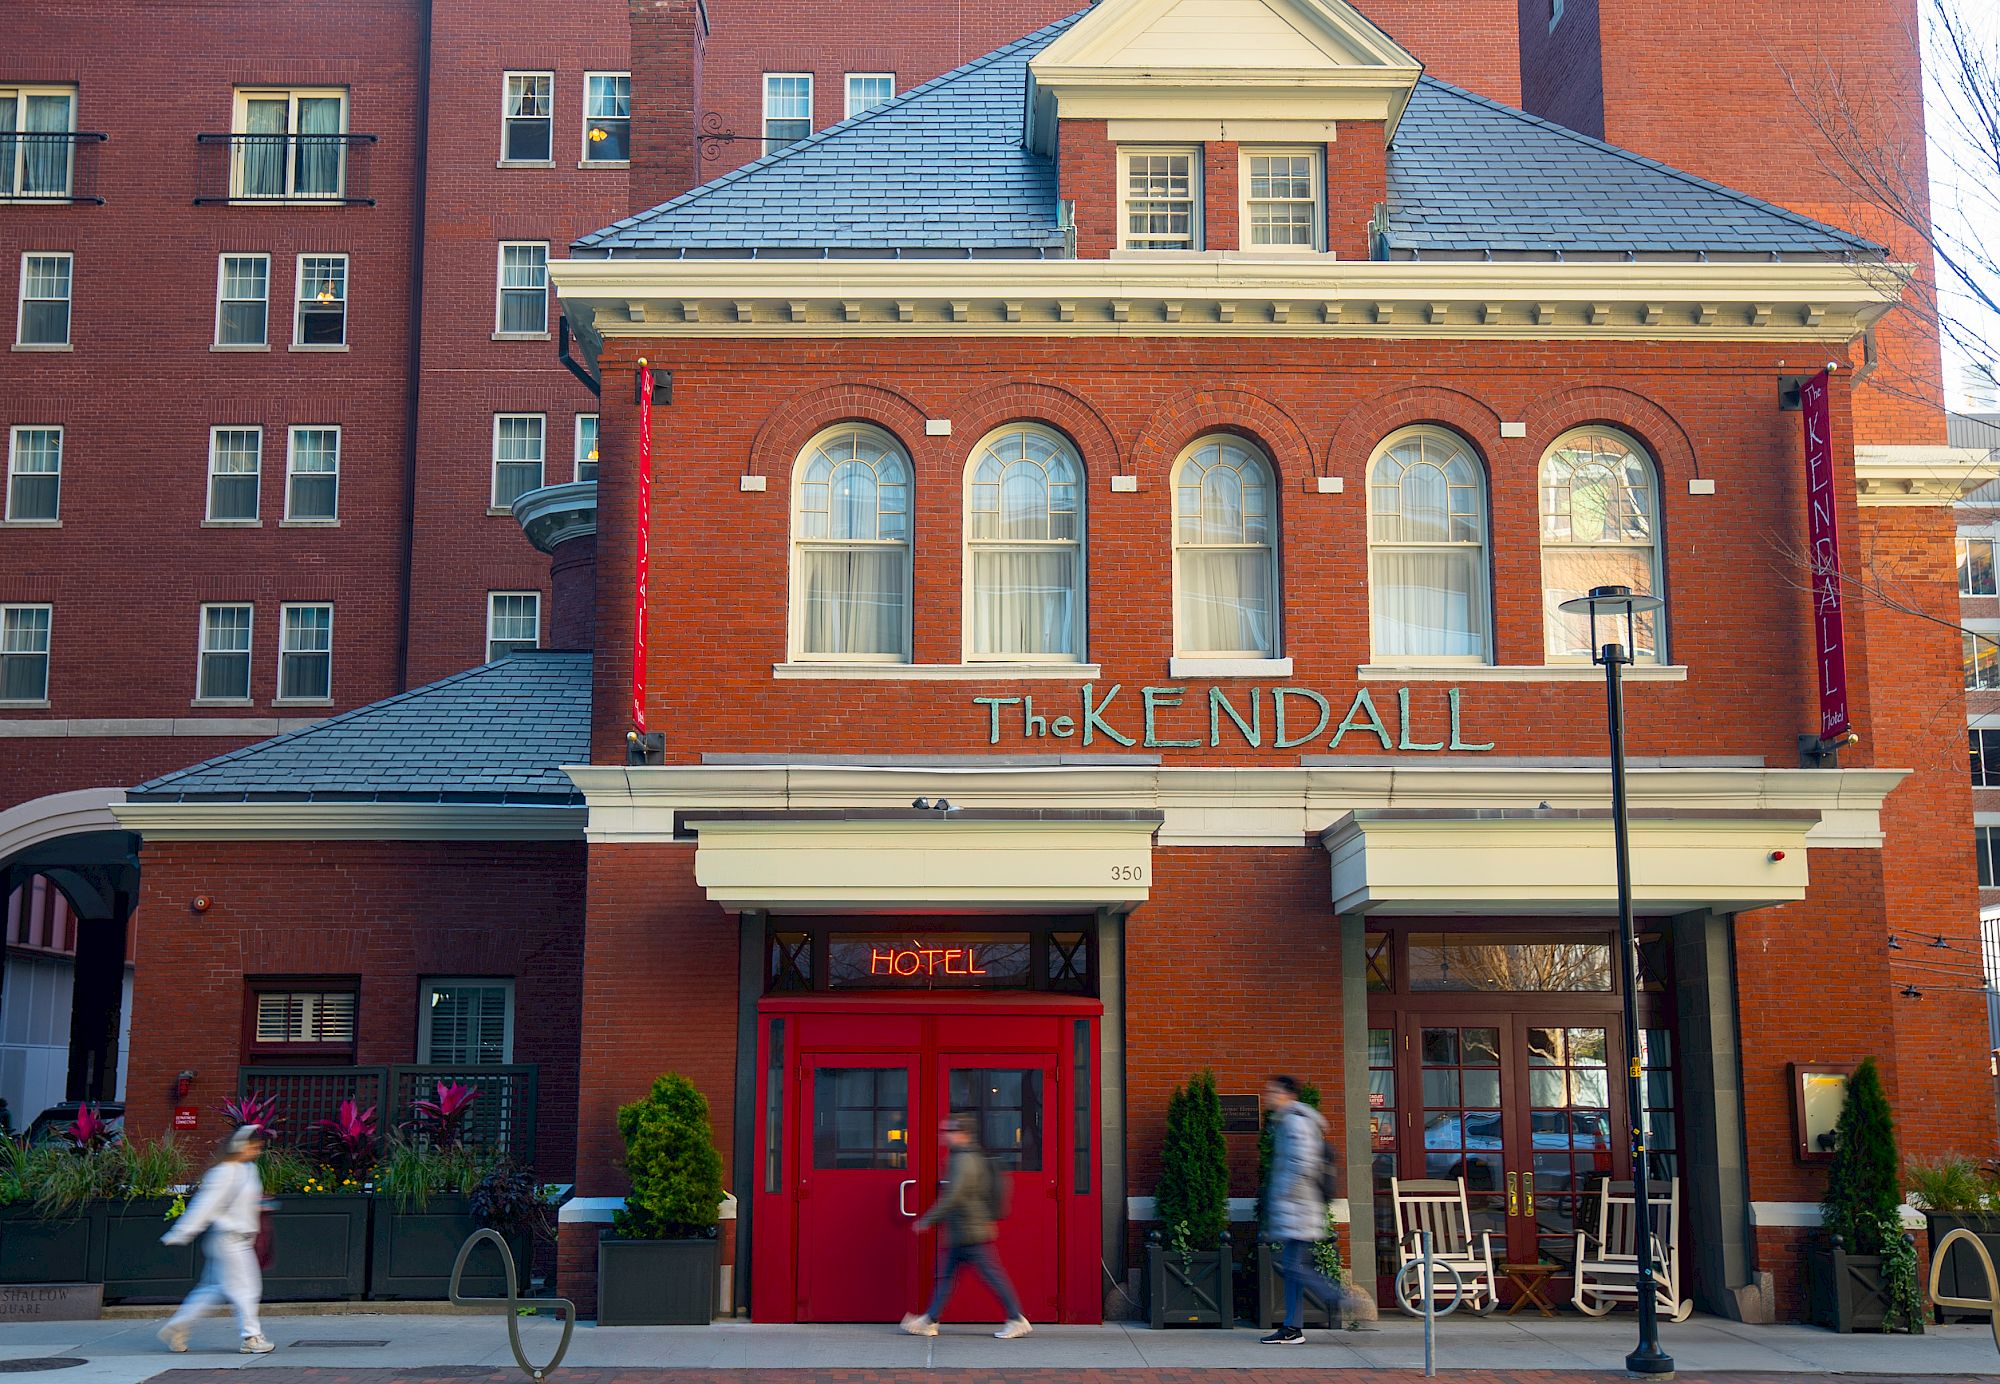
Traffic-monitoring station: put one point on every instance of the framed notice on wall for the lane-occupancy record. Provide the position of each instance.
(1818, 1090)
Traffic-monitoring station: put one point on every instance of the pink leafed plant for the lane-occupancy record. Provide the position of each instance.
(89, 1130)
(352, 1130)
(445, 1116)
(251, 1109)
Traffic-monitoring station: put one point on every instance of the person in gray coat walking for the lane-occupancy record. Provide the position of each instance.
(1295, 1204)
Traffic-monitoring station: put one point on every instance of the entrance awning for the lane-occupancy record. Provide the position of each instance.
(911, 860)
(1556, 861)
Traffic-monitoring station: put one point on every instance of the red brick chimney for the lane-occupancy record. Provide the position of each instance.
(667, 38)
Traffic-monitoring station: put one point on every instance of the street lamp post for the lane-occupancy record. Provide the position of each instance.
(1615, 603)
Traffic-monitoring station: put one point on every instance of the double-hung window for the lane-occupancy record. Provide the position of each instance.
(607, 117)
(37, 141)
(290, 145)
(1225, 552)
(1986, 842)
(527, 118)
(851, 560)
(513, 622)
(305, 654)
(1982, 660)
(45, 297)
(312, 476)
(524, 289)
(1024, 549)
(1428, 580)
(586, 446)
(24, 652)
(322, 301)
(223, 671)
(243, 301)
(868, 89)
(465, 1023)
(1281, 199)
(311, 1017)
(34, 475)
(1600, 527)
(788, 109)
(1976, 568)
(1162, 198)
(1985, 745)
(519, 448)
(235, 471)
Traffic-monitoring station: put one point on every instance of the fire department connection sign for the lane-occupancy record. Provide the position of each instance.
(1823, 534)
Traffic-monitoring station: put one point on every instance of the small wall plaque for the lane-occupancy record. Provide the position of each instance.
(1239, 1115)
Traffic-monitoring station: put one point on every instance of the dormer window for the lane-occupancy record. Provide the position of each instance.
(1162, 198)
(1282, 207)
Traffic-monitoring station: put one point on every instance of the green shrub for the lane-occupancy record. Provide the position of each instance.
(670, 1157)
(1193, 1195)
(1952, 1184)
(152, 1167)
(1862, 1194)
(71, 1178)
(412, 1171)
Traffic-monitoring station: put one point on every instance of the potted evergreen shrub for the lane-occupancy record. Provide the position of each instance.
(1189, 1281)
(1861, 1269)
(1958, 1194)
(660, 1263)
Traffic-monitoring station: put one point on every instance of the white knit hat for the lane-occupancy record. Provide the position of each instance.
(243, 1137)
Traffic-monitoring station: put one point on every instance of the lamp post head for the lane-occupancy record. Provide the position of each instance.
(1612, 603)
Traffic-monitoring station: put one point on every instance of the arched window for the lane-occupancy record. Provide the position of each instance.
(1427, 549)
(851, 533)
(1600, 527)
(1225, 552)
(1024, 548)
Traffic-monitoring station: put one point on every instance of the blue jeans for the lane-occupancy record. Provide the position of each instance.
(983, 1261)
(1301, 1273)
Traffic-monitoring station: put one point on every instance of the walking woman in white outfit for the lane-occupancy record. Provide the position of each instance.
(229, 1207)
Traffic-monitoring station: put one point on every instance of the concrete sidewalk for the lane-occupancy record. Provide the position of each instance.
(438, 1346)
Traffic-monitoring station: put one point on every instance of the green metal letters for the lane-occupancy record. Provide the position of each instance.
(1163, 710)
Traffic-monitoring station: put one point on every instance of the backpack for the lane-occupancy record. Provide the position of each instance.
(1329, 1177)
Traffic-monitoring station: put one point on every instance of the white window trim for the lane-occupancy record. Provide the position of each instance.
(584, 160)
(208, 498)
(1986, 629)
(1263, 659)
(576, 445)
(22, 300)
(429, 983)
(1993, 543)
(500, 290)
(1080, 607)
(13, 453)
(301, 301)
(1656, 547)
(48, 654)
(239, 121)
(1198, 224)
(291, 456)
(1317, 156)
(216, 343)
(505, 161)
(493, 500)
(847, 92)
(795, 616)
(283, 627)
(491, 599)
(764, 110)
(202, 696)
(1376, 658)
(20, 91)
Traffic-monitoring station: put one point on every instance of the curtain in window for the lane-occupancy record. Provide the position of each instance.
(1598, 529)
(1225, 604)
(853, 534)
(1024, 602)
(320, 149)
(853, 601)
(1427, 536)
(1223, 553)
(261, 150)
(1430, 604)
(45, 162)
(1025, 560)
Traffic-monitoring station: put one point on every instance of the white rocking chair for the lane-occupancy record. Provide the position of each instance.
(1607, 1264)
(1440, 1208)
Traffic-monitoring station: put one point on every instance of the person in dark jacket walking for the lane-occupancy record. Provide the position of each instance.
(966, 1210)
(1295, 1204)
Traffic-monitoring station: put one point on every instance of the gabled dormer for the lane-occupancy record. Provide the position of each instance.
(1205, 126)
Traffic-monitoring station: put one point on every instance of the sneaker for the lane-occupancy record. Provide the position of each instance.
(917, 1324)
(257, 1345)
(176, 1338)
(1015, 1328)
(1283, 1336)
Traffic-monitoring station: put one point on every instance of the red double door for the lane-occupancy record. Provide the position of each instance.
(854, 1133)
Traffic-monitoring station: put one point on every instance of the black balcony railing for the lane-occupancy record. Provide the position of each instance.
(49, 166)
(502, 1119)
(312, 169)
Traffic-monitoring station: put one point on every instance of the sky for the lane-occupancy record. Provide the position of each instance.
(1965, 190)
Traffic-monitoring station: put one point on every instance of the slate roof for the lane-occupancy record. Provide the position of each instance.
(498, 734)
(942, 168)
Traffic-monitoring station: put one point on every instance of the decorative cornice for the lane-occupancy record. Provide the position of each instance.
(1235, 296)
(1921, 475)
(554, 514)
(269, 821)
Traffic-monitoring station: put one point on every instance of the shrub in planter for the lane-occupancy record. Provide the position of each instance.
(1861, 1271)
(423, 1215)
(1188, 1269)
(319, 1217)
(1958, 1194)
(52, 1240)
(132, 1263)
(659, 1265)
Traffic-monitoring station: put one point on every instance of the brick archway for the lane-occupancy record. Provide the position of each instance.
(1649, 424)
(786, 432)
(1038, 401)
(1355, 440)
(1196, 412)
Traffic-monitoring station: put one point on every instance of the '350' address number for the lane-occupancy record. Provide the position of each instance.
(1128, 874)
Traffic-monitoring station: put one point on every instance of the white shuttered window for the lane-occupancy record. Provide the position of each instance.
(316, 1017)
(466, 1022)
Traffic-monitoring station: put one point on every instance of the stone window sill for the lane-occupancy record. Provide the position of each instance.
(221, 701)
(302, 701)
(604, 163)
(1489, 672)
(235, 346)
(309, 524)
(523, 336)
(936, 672)
(30, 523)
(323, 347)
(42, 705)
(56, 346)
(1180, 666)
(232, 523)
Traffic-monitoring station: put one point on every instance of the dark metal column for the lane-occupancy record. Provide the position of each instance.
(1359, 1183)
(1111, 1086)
(751, 954)
(97, 1005)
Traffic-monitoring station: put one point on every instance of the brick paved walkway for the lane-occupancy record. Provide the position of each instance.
(476, 1374)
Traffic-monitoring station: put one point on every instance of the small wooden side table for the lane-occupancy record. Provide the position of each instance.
(1530, 1280)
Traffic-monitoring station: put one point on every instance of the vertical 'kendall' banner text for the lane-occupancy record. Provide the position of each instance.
(1823, 534)
(645, 528)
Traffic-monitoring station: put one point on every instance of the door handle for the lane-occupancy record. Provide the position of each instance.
(1528, 1193)
(903, 1196)
(1513, 1194)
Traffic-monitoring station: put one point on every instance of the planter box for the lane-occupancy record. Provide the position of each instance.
(1271, 1294)
(1961, 1275)
(1197, 1292)
(319, 1248)
(132, 1263)
(1844, 1291)
(656, 1282)
(415, 1250)
(33, 1250)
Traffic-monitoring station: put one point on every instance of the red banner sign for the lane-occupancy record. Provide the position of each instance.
(645, 527)
(1823, 535)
